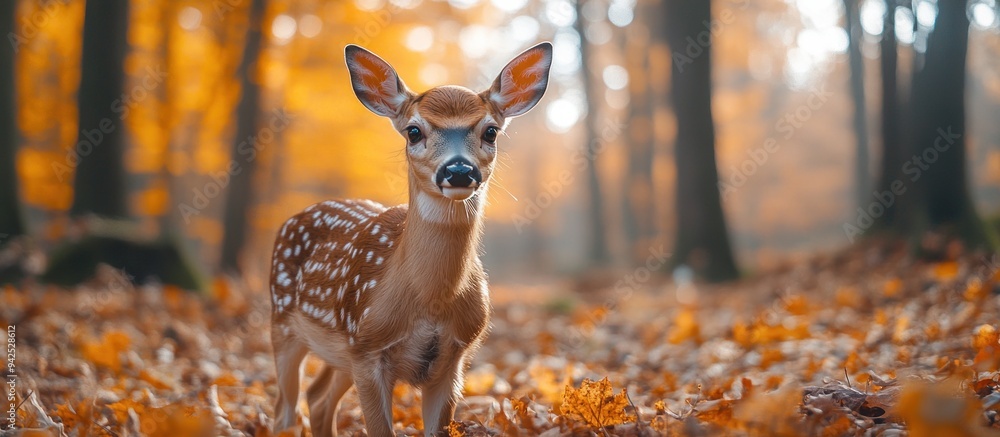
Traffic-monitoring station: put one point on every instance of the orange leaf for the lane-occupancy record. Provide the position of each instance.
(220, 289)
(685, 328)
(106, 353)
(986, 336)
(153, 380)
(946, 271)
(935, 410)
(975, 291)
(796, 305)
(892, 287)
(595, 403)
(547, 384)
(455, 429)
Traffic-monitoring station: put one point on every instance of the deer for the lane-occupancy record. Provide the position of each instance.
(397, 295)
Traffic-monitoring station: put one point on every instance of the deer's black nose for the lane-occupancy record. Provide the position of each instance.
(459, 173)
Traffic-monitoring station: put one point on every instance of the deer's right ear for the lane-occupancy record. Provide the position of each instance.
(375, 83)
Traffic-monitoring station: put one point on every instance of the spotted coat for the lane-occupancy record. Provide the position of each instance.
(327, 260)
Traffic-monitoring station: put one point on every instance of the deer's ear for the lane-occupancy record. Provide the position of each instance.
(374, 81)
(522, 82)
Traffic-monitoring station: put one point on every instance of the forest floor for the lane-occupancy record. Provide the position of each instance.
(863, 342)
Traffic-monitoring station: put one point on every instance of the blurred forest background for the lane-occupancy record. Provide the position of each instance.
(736, 138)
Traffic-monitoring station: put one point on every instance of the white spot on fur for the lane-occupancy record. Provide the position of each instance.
(283, 279)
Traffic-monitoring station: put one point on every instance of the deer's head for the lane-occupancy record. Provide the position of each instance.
(450, 131)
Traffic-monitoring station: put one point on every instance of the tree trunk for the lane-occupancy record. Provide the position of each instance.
(639, 214)
(939, 149)
(598, 248)
(862, 180)
(99, 184)
(239, 197)
(892, 146)
(702, 238)
(11, 218)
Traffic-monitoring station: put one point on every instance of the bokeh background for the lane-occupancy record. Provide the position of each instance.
(588, 180)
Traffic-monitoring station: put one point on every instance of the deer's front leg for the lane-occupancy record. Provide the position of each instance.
(440, 397)
(375, 392)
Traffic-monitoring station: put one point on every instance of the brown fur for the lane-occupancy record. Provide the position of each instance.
(451, 106)
(449, 288)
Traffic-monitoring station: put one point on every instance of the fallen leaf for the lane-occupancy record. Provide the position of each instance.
(595, 404)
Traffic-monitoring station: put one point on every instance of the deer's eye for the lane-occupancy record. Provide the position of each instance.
(490, 136)
(414, 134)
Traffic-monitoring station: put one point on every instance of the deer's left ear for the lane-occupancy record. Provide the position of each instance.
(522, 82)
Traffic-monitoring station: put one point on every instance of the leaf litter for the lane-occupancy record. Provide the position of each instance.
(868, 341)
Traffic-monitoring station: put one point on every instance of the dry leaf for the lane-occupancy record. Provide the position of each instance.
(595, 403)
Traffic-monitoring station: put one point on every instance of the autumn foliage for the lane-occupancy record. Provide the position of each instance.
(866, 341)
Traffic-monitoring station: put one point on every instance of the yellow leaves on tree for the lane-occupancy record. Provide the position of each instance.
(595, 403)
(153, 201)
(107, 352)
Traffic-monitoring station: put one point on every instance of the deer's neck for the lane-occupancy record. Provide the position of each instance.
(438, 247)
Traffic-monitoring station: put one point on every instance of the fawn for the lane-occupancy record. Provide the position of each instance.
(383, 295)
